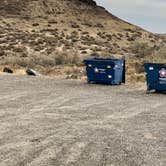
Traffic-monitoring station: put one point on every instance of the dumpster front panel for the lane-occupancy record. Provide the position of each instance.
(99, 72)
(156, 76)
(104, 70)
(161, 78)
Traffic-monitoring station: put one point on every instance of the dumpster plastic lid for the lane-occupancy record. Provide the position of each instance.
(159, 64)
(102, 59)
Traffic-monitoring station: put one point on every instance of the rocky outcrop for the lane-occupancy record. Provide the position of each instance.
(36, 30)
(89, 2)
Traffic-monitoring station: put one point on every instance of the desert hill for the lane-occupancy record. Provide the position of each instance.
(45, 28)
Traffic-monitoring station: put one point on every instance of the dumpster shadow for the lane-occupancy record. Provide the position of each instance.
(102, 84)
(156, 92)
(160, 92)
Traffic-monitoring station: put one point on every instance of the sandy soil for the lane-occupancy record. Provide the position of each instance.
(58, 122)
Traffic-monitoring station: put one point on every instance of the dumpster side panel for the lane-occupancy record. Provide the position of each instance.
(155, 76)
(124, 72)
(161, 78)
(151, 77)
(119, 72)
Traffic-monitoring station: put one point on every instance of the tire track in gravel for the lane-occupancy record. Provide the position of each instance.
(57, 122)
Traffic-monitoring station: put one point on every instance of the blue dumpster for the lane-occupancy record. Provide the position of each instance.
(107, 71)
(155, 76)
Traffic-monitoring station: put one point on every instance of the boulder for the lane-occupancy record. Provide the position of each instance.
(31, 72)
(7, 70)
(89, 2)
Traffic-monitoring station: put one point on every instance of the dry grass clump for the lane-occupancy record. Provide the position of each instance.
(74, 72)
(55, 58)
(136, 77)
(142, 49)
(144, 53)
(159, 56)
(135, 69)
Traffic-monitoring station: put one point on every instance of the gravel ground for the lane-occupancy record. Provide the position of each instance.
(58, 122)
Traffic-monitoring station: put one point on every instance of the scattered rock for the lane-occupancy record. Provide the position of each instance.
(2, 53)
(7, 70)
(35, 140)
(35, 24)
(52, 21)
(82, 24)
(89, 2)
(74, 25)
(72, 76)
(31, 72)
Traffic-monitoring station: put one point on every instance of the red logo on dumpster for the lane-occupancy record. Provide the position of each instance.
(96, 70)
(162, 72)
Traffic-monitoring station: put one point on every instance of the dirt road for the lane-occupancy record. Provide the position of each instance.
(56, 122)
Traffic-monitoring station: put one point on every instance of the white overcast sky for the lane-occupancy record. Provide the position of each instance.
(149, 14)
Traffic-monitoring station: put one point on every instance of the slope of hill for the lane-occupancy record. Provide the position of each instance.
(35, 28)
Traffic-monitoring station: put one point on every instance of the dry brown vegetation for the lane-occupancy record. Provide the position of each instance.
(50, 33)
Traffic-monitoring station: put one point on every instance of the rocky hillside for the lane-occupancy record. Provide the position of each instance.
(45, 28)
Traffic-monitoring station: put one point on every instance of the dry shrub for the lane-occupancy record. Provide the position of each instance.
(17, 61)
(142, 49)
(74, 72)
(135, 69)
(159, 56)
(55, 58)
(136, 78)
(139, 67)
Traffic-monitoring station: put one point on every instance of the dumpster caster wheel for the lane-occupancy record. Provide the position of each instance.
(119, 83)
(158, 91)
(148, 92)
(88, 82)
